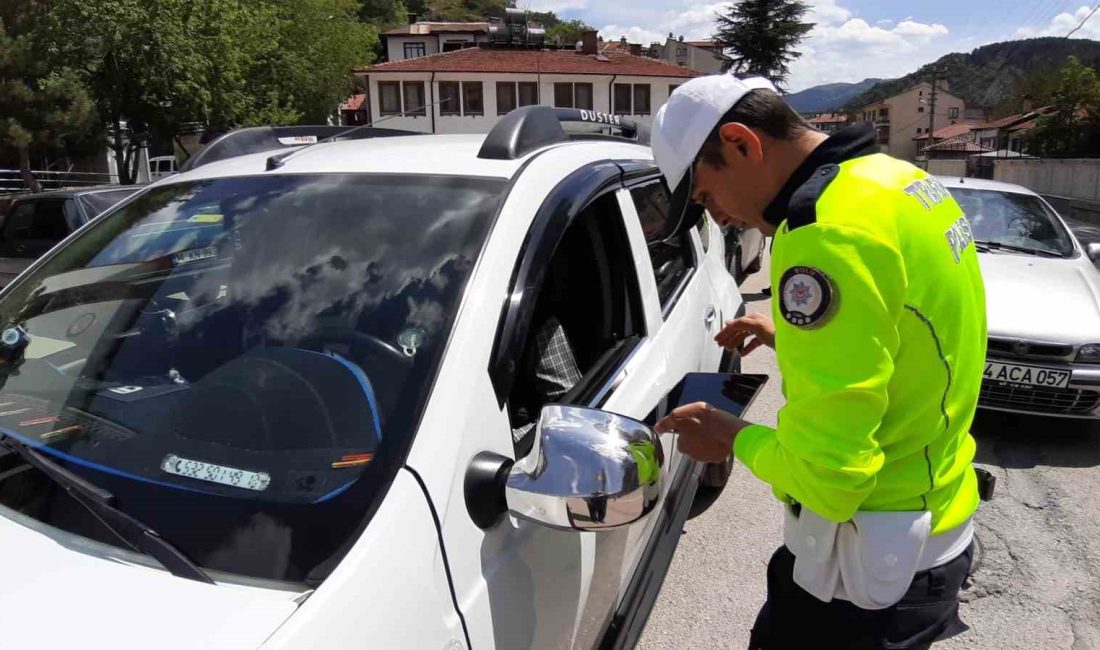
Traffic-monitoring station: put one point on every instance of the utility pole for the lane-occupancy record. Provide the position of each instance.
(931, 122)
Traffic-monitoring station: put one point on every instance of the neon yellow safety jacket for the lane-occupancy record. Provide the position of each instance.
(880, 335)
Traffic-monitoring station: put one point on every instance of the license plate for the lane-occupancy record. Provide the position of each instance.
(1013, 374)
(201, 471)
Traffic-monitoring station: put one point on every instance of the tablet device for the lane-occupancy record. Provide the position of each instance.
(728, 392)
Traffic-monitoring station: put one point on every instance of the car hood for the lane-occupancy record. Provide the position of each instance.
(56, 596)
(1042, 299)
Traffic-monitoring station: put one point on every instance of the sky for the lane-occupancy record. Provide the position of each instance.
(852, 39)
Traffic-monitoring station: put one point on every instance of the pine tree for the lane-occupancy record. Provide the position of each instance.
(760, 36)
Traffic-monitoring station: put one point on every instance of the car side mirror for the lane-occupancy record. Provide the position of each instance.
(1093, 251)
(588, 470)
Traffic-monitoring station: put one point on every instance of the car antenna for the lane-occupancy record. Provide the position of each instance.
(277, 161)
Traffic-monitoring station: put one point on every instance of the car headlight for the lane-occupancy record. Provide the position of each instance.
(1089, 353)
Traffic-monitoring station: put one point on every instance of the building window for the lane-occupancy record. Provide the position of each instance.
(672, 88)
(415, 104)
(681, 52)
(461, 98)
(451, 46)
(920, 109)
(450, 98)
(512, 95)
(631, 99)
(883, 113)
(389, 97)
(573, 95)
(953, 112)
(413, 50)
(473, 98)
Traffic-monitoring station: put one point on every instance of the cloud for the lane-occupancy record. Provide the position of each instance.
(1063, 23)
(632, 34)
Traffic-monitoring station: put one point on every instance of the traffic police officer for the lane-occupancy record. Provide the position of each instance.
(878, 323)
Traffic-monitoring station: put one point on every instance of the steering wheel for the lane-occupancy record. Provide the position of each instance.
(363, 343)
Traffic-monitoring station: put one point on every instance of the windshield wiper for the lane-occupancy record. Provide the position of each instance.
(98, 501)
(998, 246)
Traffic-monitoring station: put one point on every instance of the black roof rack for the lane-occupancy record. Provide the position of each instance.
(532, 127)
(267, 138)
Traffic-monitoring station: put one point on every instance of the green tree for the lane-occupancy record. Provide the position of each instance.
(466, 10)
(761, 35)
(154, 66)
(1072, 128)
(566, 32)
(383, 14)
(42, 109)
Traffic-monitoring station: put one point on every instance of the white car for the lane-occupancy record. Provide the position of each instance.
(317, 372)
(1042, 301)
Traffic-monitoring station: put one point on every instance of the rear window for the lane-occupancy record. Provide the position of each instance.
(97, 203)
(36, 221)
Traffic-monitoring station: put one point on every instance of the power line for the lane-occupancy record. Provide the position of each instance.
(1091, 14)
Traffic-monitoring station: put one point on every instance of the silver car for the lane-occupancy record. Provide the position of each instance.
(1043, 303)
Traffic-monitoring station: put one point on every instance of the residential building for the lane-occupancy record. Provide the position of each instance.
(423, 38)
(467, 90)
(701, 56)
(829, 122)
(896, 119)
(637, 49)
(1010, 133)
(963, 130)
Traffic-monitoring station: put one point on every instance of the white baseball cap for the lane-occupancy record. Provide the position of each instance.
(687, 119)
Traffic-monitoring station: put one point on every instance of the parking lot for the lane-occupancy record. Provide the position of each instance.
(1037, 583)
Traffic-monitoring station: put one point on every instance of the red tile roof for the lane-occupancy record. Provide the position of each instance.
(354, 103)
(423, 29)
(477, 59)
(828, 118)
(950, 131)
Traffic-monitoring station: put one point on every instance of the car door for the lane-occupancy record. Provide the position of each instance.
(31, 228)
(537, 586)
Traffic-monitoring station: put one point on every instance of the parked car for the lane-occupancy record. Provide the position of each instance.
(1043, 302)
(162, 167)
(36, 222)
(376, 391)
(744, 251)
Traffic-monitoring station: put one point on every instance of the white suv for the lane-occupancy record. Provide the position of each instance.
(352, 386)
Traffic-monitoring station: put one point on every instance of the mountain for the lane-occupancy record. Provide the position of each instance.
(826, 97)
(993, 75)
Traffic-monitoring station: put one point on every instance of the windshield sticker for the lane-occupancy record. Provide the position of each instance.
(194, 255)
(206, 218)
(201, 471)
(353, 460)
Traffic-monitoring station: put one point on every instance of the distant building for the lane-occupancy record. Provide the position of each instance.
(829, 122)
(465, 91)
(702, 56)
(897, 119)
(423, 38)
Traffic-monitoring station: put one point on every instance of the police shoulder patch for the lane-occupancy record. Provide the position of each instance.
(807, 297)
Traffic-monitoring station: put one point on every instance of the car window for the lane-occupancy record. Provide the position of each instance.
(1013, 219)
(36, 221)
(97, 203)
(672, 257)
(588, 306)
(243, 361)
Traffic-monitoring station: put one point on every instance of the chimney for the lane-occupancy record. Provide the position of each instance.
(636, 49)
(588, 41)
(622, 39)
(1028, 105)
(413, 18)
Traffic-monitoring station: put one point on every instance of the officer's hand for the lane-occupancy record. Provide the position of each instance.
(705, 433)
(733, 335)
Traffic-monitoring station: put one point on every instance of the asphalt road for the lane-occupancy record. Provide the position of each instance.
(1037, 584)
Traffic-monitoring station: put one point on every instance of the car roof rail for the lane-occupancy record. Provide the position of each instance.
(257, 139)
(532, 127)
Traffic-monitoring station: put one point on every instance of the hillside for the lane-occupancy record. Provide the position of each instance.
(989, 75)
(826, 97)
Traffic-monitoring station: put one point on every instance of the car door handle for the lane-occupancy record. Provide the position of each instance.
(710, 316)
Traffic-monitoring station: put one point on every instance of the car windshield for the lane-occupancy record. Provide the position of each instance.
(1013, 219)
(97, 203)
(242, 362)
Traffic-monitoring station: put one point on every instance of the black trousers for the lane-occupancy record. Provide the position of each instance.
(792, 618)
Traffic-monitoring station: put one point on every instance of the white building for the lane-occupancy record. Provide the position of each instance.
(425, 38)
(465, 91)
